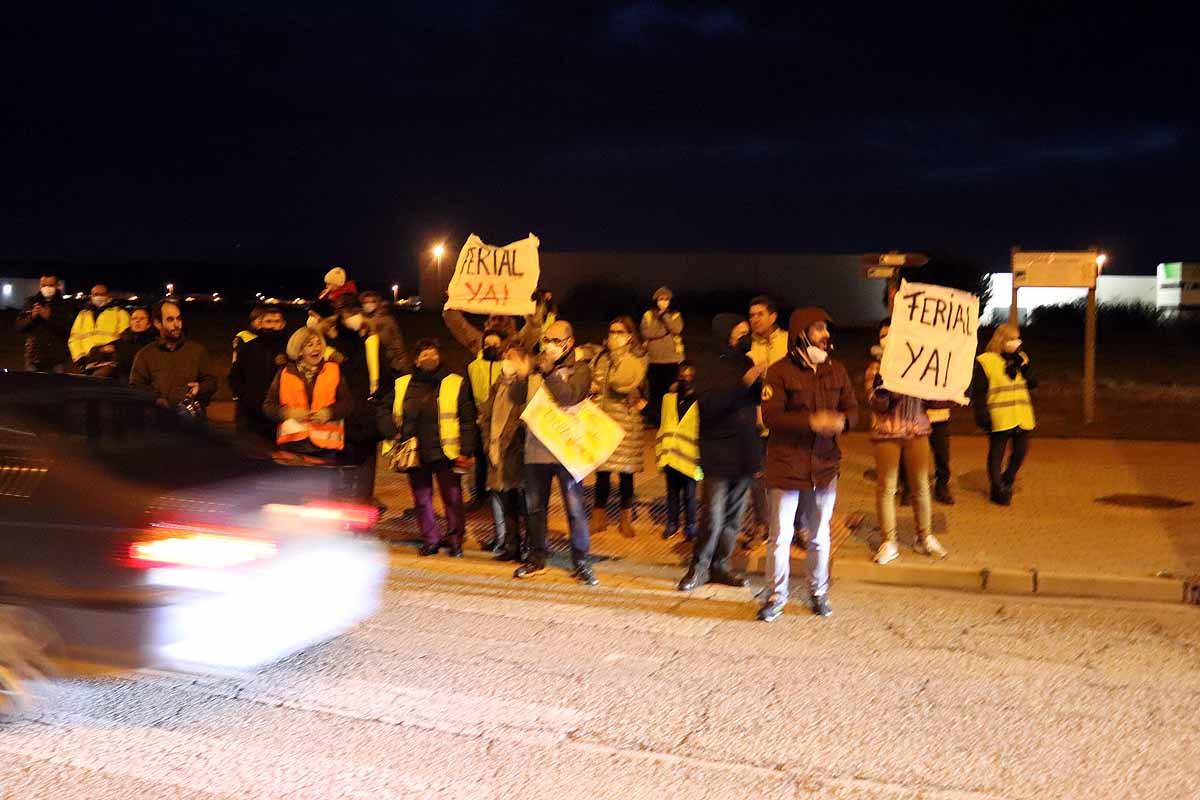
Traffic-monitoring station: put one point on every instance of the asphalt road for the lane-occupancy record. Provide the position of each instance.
(470, 685)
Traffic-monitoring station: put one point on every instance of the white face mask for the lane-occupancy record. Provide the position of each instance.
(553, 349)
(369, 308)
(1012, 345)
(508, 369)
(47, 292)
(354, 321)
(617, 342)
(663, 303)
(815, 354)
(99, 301)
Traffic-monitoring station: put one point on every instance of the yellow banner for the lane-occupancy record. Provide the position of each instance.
(581, 437)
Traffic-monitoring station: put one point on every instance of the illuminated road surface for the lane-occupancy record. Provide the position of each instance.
(470, 685)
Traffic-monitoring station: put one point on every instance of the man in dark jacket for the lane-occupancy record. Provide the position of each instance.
(503, 437)
(807, 402)
(45, 322)
(363, 372)
(568, 382)
(730, 454)
(173, 368)
(251, 374)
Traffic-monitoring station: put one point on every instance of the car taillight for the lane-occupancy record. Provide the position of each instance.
(200, 549)
(355, 517)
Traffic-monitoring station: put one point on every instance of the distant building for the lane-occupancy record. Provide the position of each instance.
(14, 291)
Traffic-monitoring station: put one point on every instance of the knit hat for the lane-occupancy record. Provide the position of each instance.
(297, 340)
(335, 277)
(723, 325)
(663, 291)
(802, 318)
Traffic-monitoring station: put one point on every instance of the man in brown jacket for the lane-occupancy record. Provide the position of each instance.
(807, 403)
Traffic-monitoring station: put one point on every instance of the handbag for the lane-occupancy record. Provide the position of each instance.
(404, 455)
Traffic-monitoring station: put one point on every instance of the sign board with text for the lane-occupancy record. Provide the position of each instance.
(495, 280)
(1178, 286)
(1077, 269)
(581, 437)
(930, 350)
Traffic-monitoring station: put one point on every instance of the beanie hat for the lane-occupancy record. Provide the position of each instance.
(336, 277)
(663, 291)
(723, 325)
(297, 340)
(802, 318)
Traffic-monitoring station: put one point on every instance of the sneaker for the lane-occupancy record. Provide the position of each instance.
(583, 573)
(771, 610)
(930, 546)
(887, 552)
(529, 569)
(820, 605)
(429, 549)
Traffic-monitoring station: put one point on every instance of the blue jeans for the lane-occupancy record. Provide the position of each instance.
(724, 507)
(537, 498)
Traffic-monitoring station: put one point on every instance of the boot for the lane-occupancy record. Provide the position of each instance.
(599, 521)
(942, 493)
(454, 544)
(627, 523)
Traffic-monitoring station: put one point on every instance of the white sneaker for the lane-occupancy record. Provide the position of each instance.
(930, 546)
(887, 552)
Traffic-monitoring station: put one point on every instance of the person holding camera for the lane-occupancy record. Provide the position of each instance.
(173, 368)
(45, 322)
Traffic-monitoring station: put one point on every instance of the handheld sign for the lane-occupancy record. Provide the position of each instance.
(581, 437)
(495, 280)
(931, 345)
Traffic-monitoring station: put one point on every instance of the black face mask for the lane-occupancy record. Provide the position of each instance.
(685, 387)
(491, 354)
(743, 344)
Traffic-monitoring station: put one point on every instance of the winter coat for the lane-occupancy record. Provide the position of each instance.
(661, 332)
(117, 365)
(391, 341)
(617, 387)
(567, 384)
(272, 410)
(799, 458)
(165, 372)
(45, 339)
(509, 472)
(361, 427)
(730, 446)
(422, 415)
(250, 377)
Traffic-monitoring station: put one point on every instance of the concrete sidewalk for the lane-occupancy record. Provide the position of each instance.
(1089, 518)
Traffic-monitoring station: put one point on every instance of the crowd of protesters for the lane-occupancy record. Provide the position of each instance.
(759, 429)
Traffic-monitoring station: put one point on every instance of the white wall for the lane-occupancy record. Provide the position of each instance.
(1109, 289)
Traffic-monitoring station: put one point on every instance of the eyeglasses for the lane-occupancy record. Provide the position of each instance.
(551, 340)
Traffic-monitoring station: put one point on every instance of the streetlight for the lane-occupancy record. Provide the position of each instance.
(395, 292)
(170, 289)
(1101, 260)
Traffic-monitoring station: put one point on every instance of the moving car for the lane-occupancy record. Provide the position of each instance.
(133, 537)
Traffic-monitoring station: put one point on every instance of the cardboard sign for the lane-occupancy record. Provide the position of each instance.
(1070, 269)
(930, 351)
(581, 437)
(495, 280)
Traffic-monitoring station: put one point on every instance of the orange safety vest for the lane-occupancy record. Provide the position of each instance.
(292, 392)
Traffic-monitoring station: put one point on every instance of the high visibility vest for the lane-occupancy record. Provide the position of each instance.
(93, 330)
(372, 349)
(678, 444)
(483, 375)
(1008, 401)
(292, 392)
(648, 317)
(448, 394)
(240, 339)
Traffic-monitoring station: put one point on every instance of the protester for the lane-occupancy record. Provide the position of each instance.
(939, 443)
(254, 370)
(547, 309)
(807, 402)
(1003, 407)
(618, 381)
(174, 369)
(377, 311)
(678, 451)
(567, 382)
(45, 322)
(503, 437)
(730, 452)
(434, 405)
(307, 399)
(661, 327)
(247, 334)
(98, 324)
(114, 360)
(767, 345)
(900, 439)
(357, 354)
(337, 286)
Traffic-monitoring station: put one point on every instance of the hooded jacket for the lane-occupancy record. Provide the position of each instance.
(730, 446)
(799, 458)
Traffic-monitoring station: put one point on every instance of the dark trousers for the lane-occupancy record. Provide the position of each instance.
(603, 487)
(724, 506)
(537, 497)
(421, 481)
(508, 509)
(659, 377)
(681, 490)
(1002, 479)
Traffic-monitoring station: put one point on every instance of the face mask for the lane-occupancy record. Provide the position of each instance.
(876, 351)
(47, 292)
(369, 308)
(616, 342)
(99, 301)
(508, 369)
(553, 350)
(815, 354)
(353, 322)
(429, 364)
(663, 304)
(491, 354)
(1012, 345)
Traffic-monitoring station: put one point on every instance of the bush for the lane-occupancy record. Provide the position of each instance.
(1109, 316)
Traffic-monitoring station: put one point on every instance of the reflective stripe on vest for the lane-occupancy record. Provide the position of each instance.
(1008, 401)
(648, 317)
(678, 444)
(372, 348)
(483, 375)
(93, 330)
(240, 339)
(292, 392)
(448, 394)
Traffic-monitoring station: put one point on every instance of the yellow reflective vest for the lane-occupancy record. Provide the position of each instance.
(483, 375)
(240, 339)
(1008, 402)
(92, 330)
(678, 444)
(448, 393)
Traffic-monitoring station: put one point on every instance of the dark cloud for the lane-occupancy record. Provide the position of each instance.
(637, 22)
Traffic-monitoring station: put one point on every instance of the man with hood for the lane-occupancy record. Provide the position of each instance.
(730, 452)
(251, 374)
(45, 321)
(807, 402)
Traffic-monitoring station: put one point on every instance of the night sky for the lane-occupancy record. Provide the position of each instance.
(358, 133)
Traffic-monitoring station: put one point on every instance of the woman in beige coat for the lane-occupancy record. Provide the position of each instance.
(618, 387)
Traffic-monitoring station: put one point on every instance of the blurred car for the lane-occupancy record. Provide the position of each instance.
(411, 303)
(132, 537)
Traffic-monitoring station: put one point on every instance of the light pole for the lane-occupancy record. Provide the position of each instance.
(1089, 346)
(395, 293)
(438, 250)
(170, 289)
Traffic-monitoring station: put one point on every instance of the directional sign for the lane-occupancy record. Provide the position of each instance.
(880, 272)
(1074, 268)
(894, 259)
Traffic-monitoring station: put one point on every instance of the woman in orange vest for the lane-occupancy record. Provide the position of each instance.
(309, 400)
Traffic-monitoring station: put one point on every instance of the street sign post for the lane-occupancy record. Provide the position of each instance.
(1076, 269)
(888, 266)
